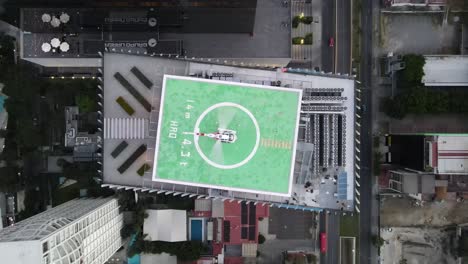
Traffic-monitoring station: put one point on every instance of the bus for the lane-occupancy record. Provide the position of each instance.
(323, 242)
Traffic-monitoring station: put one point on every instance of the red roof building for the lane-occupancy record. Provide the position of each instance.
(228, 228)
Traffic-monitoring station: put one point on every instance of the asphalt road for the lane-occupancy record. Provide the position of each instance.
(328, 30)
(343, 36)
(330, 224)
(366, 179)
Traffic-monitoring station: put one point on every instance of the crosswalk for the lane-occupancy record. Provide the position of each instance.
(125, 128)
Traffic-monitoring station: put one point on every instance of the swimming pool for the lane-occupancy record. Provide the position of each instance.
(2, 103)
(196, 228)
(135, 259)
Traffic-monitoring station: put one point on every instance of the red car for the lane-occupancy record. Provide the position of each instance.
(331, 42)
(323, 242)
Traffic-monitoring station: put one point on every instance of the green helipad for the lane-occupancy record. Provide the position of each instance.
(227, 135)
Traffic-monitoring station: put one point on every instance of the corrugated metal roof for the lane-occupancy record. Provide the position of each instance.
(202, 205)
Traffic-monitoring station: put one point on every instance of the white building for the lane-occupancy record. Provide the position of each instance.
(448, 154)
(445, 70)
(166, 225)
(79, 231)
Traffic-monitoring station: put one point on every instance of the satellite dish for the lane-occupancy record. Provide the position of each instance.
(46, 18)
(152, 22)
(64, 46)
(152, 42)
(46, 47)
(55, 22)
(64, 18)
(55, 42)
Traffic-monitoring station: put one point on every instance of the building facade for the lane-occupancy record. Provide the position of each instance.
(79, 231)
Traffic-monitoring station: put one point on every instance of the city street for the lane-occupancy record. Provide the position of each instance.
(367, 198)
(343, 37)
(330, 224)
(328, 30)
(336, 17)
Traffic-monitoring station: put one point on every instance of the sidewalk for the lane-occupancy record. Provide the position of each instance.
(378, 124)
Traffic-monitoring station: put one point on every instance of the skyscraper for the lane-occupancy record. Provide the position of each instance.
(79, 231)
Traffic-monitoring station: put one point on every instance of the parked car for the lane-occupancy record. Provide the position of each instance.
(331, 42)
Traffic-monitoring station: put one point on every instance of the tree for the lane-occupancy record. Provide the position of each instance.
(308, 39)
(127, 231)
(85, 103)
(394, 108)
(295, 22)
(8, 178)
(297, 40)
(378, 241)
(458, 5)
(414, 70)
(261, 239)
(6, 50)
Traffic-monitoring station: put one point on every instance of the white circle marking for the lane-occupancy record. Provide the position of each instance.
(214, 164)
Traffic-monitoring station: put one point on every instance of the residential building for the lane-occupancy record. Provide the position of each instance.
(79, 231)
(228, 30)
(293, 129)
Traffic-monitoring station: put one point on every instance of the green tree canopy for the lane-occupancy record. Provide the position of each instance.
(414, 70)
(85, 103)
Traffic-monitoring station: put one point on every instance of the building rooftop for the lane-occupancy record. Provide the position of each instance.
(233, 31)
(196, 113)
(323, 170)
(450, 154)
(446, 70)
(166, 225)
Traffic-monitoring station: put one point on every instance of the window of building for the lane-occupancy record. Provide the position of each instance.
(45, 247)
(46, 259)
